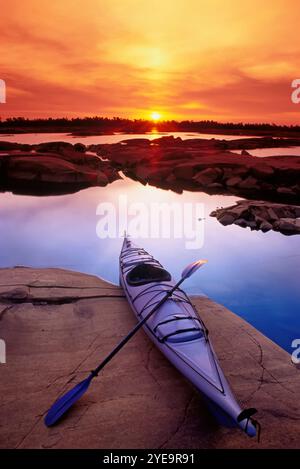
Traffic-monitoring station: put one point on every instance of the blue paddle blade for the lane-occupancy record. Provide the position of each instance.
(191, 268)
(66, 401)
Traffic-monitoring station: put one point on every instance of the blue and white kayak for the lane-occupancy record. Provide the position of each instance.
(179, 333)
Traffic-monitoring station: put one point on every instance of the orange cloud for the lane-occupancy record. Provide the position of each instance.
(188, 59)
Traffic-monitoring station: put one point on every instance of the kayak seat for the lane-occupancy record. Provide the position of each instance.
(146, 273)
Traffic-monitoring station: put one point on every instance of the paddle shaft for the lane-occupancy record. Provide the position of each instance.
(135, 329)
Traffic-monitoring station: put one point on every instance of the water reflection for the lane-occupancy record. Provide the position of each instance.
(34, 139)
(254, 274)
(265, 152)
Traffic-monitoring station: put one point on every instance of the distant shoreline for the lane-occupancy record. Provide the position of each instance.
(103, 126)
(93, 133)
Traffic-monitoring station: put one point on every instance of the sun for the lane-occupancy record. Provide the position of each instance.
(155, 116)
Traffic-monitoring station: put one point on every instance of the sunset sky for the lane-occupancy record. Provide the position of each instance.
(218, 59)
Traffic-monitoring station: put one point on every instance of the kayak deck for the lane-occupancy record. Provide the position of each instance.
(178, 331)
(182, 323)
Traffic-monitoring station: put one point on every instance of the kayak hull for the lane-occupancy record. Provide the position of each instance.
(180, 334)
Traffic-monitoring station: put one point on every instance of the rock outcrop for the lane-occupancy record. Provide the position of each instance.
(258, 215)
(166, 162)
(58, 325)
(51, 169)
(207, 165)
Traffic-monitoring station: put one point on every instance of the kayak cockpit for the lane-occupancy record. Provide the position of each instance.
(147, 273)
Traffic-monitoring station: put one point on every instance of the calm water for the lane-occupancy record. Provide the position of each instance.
(254, 274)
(264, 152)
(55, 137)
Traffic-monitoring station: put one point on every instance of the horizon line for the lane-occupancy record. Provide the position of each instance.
(148, 121)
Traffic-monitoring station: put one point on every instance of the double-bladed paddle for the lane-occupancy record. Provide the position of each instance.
(63, 404)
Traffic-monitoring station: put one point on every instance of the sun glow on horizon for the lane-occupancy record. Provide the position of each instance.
(154, 61)
(155, 116)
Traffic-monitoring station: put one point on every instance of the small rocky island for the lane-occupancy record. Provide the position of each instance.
(53, 168)
(209, 165)
(262, 216)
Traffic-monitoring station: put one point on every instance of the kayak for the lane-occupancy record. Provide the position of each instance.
(180, 334)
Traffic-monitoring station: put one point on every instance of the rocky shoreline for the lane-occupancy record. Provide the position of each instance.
(51, 169)
(261, 216)
(57, 324)
(207, 165)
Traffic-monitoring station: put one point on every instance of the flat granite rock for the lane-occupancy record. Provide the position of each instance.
(59, 324)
